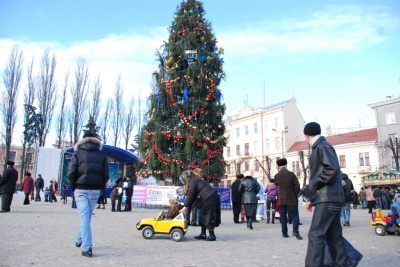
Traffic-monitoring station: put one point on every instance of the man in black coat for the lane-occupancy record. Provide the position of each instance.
(236, 198)
(289, 189)
(87, 173)
(325, 194)
(39, 185)
(7, 186)
(348, 198)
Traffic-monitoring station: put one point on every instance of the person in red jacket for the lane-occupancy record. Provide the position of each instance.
(27, 187)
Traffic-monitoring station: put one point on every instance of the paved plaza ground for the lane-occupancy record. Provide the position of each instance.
(43, 234)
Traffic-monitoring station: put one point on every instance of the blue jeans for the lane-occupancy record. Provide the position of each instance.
(378, 202)
(364, 204)
(345, 213)
(294, 213)
(86, 200)
(325, 229)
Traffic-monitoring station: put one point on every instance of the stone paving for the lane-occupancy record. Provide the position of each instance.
(43, 234)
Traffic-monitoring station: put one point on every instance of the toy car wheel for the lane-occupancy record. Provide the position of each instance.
(177, 235)
(148, 232)
(380, 230)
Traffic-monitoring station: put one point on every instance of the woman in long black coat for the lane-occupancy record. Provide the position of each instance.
(249, 188)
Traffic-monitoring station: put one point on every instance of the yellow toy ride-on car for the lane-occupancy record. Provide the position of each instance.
(176, 227)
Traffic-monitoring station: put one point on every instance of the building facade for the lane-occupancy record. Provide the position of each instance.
(257, 137)
(357, 154)
(387, 114)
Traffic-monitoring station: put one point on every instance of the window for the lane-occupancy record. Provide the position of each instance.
(228, 135)
(238, 167)
(267, 144)
(361, 159)
(246, 149)
(256, 166)
(394, 162)
(12, 155)
(228, 151)
(246, 166)
(277, 123)
(390, 117)
(238, 132)
(255, 127)
(228, 168)
(342, 161)
(297, 168)
(366, 158)
(277, 143)
(293, 166)
(28, 158)
(237, 150)
(255, 149)
(266, 125)
(246, 130)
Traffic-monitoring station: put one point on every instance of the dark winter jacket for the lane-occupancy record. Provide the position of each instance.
(8, 181)
(348, 188)
(325, 178)
(27, 185)
(39, 183)
(249, 188)
(199, 190)
(377, 192)
(236, 195)
(88, 168)
(289, 187)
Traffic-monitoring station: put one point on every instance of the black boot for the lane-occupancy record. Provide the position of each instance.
(212, 236)
(273, 217)
(247, 220)
(268, 216)
(202, 235)
(394, 224)
(250, 224)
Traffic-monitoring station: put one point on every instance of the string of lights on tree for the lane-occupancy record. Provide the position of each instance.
(185, 128)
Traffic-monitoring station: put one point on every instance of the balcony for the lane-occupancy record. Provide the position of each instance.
(364, 169)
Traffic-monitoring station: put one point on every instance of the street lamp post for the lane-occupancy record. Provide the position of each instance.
(282, 133)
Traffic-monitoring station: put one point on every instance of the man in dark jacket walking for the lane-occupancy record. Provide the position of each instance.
(348, 198)
(326, 195)
(7, 186)
(87, 173)
(39, 185)
(289, 188)
(236, 198)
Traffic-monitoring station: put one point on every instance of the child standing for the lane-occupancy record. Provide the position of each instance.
(243, 214)
(64, 193)
(46, 194)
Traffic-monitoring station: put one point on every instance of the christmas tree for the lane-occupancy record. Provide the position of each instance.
(185, 128)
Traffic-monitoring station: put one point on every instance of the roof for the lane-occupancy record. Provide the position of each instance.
(121, 155)
(368, 135)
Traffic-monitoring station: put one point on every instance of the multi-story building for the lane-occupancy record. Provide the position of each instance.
(255, 134)
(387, 114)
(357, 153)
(16, 156)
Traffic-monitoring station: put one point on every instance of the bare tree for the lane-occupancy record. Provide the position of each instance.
(394, 145)
(128, 122)
(94, 106)
(29, 98)
(46, 93)
(11, 77)
(70, 123)
(267, 168)
(116, 119)
(79, 91)
(61, 125)
(304, 168)
(105, 120)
